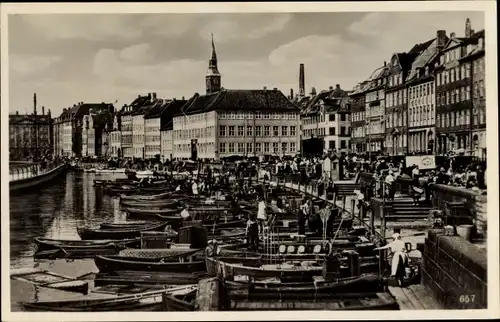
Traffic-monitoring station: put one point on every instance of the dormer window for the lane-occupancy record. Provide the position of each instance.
(426, 70)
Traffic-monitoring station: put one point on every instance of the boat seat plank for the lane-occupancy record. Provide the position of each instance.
(425, 297)
(401, 298)
(413, 299)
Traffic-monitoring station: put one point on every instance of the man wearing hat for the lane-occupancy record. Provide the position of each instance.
(398, 248)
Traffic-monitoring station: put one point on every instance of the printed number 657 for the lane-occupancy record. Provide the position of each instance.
(467, 298)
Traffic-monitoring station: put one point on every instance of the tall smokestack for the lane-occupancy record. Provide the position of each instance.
(34, 104)
(302, 89)
(43, 110)
(291, 93)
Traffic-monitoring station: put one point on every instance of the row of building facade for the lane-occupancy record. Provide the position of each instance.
(429, 100)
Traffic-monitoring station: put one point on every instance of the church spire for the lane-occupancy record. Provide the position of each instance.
(213, 76)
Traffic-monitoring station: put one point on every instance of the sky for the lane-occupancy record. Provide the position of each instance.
(92, 58)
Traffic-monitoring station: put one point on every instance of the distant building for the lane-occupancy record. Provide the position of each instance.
(454, 86)
(358, 116)
(115, 138)
(475, 55)
(138, 127)
(30, 135)
(375, 110)
(237, 122)
(126, 124)
(325, 122)
(421, 87)
(70, 128)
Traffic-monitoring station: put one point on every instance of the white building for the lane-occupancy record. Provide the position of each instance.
(237, 122)
(115, 140)
(375, 111)
(167, 144)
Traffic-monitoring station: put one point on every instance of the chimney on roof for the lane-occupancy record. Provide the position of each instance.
(265, 88)
(452, 35)
(385, 63)
(472, 31)
(330, 88)
(48, 113)
(440, 39)
(183, 98)
(17, 112)
(43, 110)
(154, 96)
(302, 81)
(291, 93)
(337, 86)
(275, 89)
(313, 91)
(468, 29)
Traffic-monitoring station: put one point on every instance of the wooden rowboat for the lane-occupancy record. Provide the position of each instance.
(167, 203)
(145, 301)
(125, 224)
(147, 278)
(132, 232)
(161, 196)
(179, 302)
(152, 211)
(118, 263)
(47, 243)
(48, 279)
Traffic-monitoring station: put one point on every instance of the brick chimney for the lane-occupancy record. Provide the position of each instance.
(43, 110)
(154, 96)
(302, 81)
(452, 35)
(440, 39)
(34, 104)
(264, 88)
(291, 93)
(330, 88)
(337, 86)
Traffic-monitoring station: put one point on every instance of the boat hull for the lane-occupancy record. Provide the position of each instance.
(86, 233)
(119, 263)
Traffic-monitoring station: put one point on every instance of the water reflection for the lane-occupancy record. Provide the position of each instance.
(55, 211)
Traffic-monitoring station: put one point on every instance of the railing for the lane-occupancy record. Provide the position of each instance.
(32, 170)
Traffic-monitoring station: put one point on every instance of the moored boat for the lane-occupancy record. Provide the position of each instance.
(125, 233)
(145, 301)
(118, 263)
(179, 302)
(48, 243)
(44, 278)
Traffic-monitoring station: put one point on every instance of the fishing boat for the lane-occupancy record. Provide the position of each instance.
(145, 301)
(117, 263)
(75, 253)
(369, 283)
(125, 233)
(48, 243)
(179, 302)
(125, 224)
(111, 170)
(160, 196)
(166, 203)
(44, 278)
(147, 278)
(145, 211)
(322, 302)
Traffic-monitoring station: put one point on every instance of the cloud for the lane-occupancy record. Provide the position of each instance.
(243, 26)
(100, 27)
(136, 53)
(25, 65)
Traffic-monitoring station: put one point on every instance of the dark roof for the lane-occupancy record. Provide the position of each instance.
(173, 108)
(406, 59)
(100, 120)
(157, 109)
(137, 103)
(28, 118)
(331, 97)
(79, 110)
(254, 100)
(418, 48)
(147, 106)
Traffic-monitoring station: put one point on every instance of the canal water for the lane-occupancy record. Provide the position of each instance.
(55, 211)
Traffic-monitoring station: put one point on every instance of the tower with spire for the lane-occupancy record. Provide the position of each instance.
(212, 78)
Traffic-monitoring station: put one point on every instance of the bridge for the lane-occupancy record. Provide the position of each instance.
(24, 176)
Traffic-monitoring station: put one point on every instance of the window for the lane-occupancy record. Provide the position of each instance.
(249, 147)
(284, 131)
(342, 117)
(258, 115)
(258, 147)
(284, 147)
(293, 131)
(266, 147)
(241, 147)
(275, 147)
(342, 131)
(467, 93)
(241, 130)
(231, 131)
(275, 131)
(276, 116)
(332, 145)
(292, 147)
(258, 130)
(331, 117)
(267, 116)
(342, 144)
(467, 70)
(249, 131)
(267, 130)
(231, 147)
(481, 89)
(222, 116)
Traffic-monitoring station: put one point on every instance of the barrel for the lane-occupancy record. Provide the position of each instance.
(465, 231)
